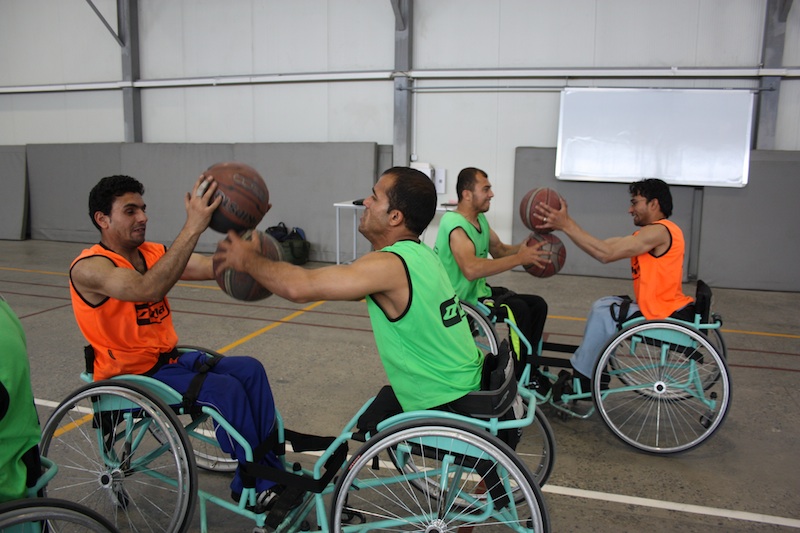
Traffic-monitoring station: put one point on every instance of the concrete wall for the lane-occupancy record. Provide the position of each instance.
(304, 180)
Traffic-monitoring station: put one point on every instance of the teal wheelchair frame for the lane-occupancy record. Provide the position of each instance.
(661, 386)
(131, 450)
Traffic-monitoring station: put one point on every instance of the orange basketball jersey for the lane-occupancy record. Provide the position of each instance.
(657, 280)
(127, 337)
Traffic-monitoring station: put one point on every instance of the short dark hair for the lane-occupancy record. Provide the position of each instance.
(650, 188)
(413, 194)
(102, 195)
(466, 180)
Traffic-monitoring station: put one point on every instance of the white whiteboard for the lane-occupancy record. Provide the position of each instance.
(683, 136)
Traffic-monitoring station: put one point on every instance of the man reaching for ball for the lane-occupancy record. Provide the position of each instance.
(421, 332)
(656, 252)
(464, 243)
(118, 289)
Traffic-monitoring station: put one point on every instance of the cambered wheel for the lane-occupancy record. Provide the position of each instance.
(123, 453)
(661, 387)
(37, 515)
(538, 445)
(470, 479)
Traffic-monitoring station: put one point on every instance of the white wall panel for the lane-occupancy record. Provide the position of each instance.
(456, 34)
(61, 117)
(360, 112)
(360, 35)
(46, 42)
(547, 33)
(291, 36)
(161, 39)
(729, 32)
(291, 113)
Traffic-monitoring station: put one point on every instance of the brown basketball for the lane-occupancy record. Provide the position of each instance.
(558, 254)
(527, 206)
(245, 197)
(242, 286)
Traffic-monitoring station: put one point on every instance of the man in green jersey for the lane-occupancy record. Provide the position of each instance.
(464, 243)
(19, 423)
(420, 329)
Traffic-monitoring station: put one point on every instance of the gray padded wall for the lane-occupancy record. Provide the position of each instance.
(600, 208)
(304, 179)
(59, 179)
(14, 200)
(749, 237)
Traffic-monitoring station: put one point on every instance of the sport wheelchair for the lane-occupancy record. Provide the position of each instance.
(131, 447)
(661, 386)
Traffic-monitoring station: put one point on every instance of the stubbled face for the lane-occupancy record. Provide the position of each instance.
(127, 222)
(375, 218)
(481, 193)
(641, 210)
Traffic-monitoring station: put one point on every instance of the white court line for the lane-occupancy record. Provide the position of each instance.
(672, 506)
(623, 499)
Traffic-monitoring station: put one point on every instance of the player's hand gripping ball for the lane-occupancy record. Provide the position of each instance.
(527, 207)
(558, 254)
(242, 286)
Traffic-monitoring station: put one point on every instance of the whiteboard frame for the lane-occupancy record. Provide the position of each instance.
(695, 137)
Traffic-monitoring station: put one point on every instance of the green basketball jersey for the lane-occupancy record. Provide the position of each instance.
(19, 425)
(428, 352)
(468, 291)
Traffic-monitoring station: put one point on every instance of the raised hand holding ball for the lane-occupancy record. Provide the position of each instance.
(245, 196)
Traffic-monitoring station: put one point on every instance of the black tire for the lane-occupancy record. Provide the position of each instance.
(50, 514)
(661, 387)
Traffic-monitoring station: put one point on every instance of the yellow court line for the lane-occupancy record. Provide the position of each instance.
(72, 425)
(28, 270)
(271, 326)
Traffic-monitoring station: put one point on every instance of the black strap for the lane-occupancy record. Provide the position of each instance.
(88, 358)
(300, 442)
(624, 307)
(192, 393)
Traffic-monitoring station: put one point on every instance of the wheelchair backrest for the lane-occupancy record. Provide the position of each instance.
(498, 387)
(702, 301)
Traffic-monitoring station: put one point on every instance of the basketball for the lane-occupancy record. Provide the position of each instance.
(242, 286)
(558, 254)
(527, 207)
(245, 197)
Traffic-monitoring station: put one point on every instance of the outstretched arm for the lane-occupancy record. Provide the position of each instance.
(504, 257)
(380, 274)
(604, 250)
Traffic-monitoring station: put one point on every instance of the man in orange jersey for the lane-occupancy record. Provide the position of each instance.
(119, 297)
(656, 252)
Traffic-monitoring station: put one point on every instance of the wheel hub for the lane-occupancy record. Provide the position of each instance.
(660, 387)
(437, 526)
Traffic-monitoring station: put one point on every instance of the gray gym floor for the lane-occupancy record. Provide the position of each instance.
(322, 364)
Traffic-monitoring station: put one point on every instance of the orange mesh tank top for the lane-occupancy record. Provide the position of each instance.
(127, 337)
(657, 280)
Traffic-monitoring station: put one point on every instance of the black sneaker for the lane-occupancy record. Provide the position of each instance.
(539, 383)
(265, 500)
